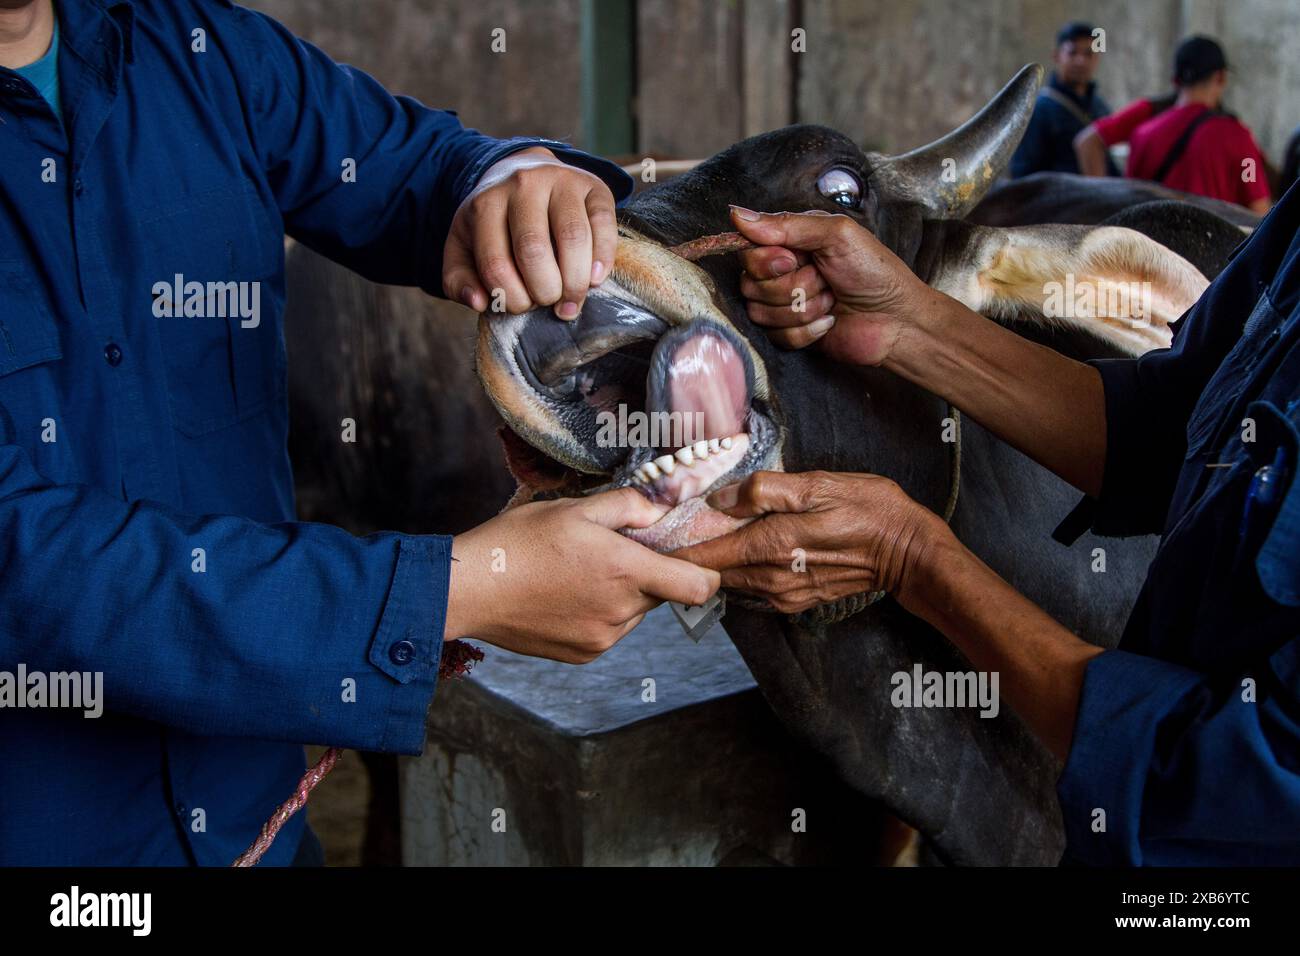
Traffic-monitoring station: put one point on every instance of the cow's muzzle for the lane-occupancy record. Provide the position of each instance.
(650, 387)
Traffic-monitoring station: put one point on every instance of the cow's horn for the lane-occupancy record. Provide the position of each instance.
(979, 150)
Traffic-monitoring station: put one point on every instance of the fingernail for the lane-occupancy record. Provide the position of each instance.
(782, 265)
(567, 310)
(724, 498)
(467, 296)
(597, 272)
(747, 214)
(821, 326)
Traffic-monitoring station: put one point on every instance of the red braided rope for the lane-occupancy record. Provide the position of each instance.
(457, 659)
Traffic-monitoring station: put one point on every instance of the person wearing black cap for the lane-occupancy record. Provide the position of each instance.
(1067, 104)
(1194, 146)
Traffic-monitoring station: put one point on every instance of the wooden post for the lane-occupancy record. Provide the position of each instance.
(608, 76)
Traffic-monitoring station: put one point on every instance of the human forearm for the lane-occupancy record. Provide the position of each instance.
(867, 534)
(1040, 664)
(190, 618)
(1048, 406)
(1090, 151)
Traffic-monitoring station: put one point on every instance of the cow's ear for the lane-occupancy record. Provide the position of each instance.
(1111, 282)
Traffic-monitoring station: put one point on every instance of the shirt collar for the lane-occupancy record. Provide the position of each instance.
(82, 21)
(1083, 100)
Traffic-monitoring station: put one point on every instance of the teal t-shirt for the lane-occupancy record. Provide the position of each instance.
(44, 73)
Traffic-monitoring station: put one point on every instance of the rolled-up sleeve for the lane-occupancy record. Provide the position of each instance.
(1150, 400)
(219, 625)
(1145, 444)
(1149, 733)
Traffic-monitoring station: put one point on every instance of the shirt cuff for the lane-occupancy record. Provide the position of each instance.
(408, 643)
(1130, 499)
(1123, 702)
(613, 175)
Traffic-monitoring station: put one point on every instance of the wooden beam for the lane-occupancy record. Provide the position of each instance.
(608, 76)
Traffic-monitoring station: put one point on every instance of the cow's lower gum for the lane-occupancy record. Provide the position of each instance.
(691, 481)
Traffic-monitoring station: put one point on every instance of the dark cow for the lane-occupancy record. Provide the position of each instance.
(399, 364)
(981, 790)
(1088, 200)
(1203, 230)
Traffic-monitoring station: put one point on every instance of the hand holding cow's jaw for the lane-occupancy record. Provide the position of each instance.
(855, 533)
(541, 231)
(820, 536)
(554, 579)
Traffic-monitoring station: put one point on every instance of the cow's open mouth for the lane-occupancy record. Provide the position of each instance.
(674, 409)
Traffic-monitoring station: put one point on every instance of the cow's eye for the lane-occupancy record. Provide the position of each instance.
(841, 186)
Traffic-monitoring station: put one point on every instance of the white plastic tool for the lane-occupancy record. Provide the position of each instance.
(697, 619)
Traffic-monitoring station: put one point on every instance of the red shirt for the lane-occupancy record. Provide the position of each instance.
(1118, 127)
(1214, 163)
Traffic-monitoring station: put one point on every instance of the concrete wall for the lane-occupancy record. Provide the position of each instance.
(440, 51)
(892, 73)
(896, 75)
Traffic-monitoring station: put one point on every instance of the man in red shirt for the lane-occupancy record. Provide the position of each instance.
(1185, 142)
(1095, 139)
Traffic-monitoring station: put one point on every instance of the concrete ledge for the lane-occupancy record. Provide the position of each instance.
(529, 762)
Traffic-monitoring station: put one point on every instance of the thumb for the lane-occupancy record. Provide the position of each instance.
(460, 281)
(814, 231)
(763, 492)
(622, 508)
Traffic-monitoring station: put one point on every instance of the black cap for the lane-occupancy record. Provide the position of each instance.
(1196, 59)
(1074, 30)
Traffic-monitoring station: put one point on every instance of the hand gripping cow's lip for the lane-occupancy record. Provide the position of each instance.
(667, 399)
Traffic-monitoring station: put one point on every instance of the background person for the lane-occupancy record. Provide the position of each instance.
(1067, 104)
(1194, 146)
(1093, 143)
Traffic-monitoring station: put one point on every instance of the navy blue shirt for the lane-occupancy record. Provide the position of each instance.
(1187, 746)
(1048, 143)
(146, 505)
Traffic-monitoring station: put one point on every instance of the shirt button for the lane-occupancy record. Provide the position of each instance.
(403, 652)
(78, 188)
(113, 354)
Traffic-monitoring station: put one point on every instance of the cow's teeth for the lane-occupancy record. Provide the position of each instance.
(651, 469)
(666, 464)
(701, 449)
(684, 456)
(714, 445)
(727, 443)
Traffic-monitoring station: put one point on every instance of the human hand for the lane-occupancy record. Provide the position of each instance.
(858, 296)
(555, 579)
(819, 536)
(539, 229)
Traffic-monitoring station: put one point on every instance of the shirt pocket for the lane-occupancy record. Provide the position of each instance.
(1223, 392)
(28, 335)
(1278, 560)
(214, 264)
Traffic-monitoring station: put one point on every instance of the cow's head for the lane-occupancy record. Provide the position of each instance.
(658, 337)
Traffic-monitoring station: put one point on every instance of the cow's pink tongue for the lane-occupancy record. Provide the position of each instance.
(706, 384)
